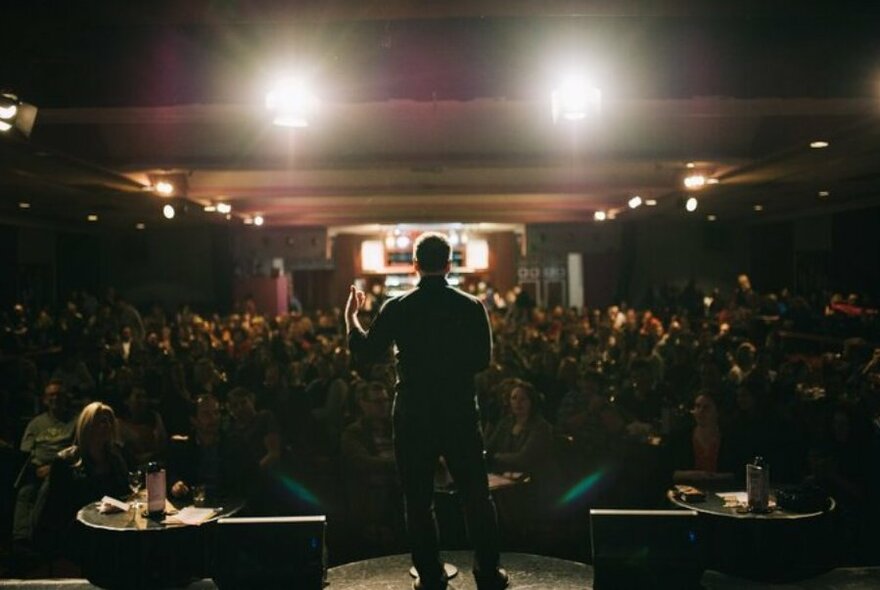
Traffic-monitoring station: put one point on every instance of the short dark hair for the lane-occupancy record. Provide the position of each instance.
(432, 251)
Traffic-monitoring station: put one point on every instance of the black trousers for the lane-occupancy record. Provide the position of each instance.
(421, 436)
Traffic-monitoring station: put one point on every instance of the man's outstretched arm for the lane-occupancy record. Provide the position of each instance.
(370, 343)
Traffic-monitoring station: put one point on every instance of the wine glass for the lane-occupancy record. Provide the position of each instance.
(136, 482)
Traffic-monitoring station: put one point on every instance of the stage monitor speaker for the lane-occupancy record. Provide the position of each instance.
(270, 552)
(646, 549)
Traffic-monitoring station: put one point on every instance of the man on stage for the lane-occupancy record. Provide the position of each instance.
(442, 339)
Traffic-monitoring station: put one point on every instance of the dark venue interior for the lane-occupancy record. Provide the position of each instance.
(670, 211)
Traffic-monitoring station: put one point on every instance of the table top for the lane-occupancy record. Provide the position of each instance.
(715, 505)
(132, 520)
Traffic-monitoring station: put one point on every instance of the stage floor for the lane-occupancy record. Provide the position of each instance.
(526, 571)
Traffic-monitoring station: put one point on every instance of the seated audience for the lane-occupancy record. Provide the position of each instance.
(700, 452)
(44, 437)
(141, 429)
(522, 440)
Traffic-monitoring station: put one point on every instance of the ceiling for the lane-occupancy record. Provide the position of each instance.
(429, 117)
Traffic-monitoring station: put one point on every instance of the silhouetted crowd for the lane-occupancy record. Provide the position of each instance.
(580, 408)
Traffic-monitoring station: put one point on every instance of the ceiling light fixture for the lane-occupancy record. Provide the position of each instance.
(691, 165)
(258, 220)
(209, 208)
(92, 217)
(168, 211)
(635, 202)
(758, 208)
(164, 188)
(694, 181)
(291, 103)
(574, 100)
(712, 181)
(224, 208)
(651, 202)
(599, 216)
(24, 205)
(691, 205)
(139, 226)
(824, 193)
(819, 144)
(711, 218)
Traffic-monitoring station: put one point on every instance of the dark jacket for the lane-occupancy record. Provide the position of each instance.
(442, 337)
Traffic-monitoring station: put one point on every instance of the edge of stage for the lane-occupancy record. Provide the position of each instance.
(534, 572)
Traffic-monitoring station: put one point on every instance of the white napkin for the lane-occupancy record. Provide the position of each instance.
(109, 505)
(191, 516)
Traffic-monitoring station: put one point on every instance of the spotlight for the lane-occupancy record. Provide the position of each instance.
(694, 181)
(164, 188)
(691, 165)
(24, 205)
(758, 208)
(168, 211)
(292, 103)
(209, 208)
(711, 218)
(224, 208)
(635, 202)
(92, 217)
(651, 202)
(15, 114)
(824, 193)
(574, 100)
(819, 144)
(599, 216)
(140, 226)
(258, 220)
(691, 205)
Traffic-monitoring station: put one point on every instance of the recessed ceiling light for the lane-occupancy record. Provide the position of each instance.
(92, 217)
(168, 211)
(599, 216)
(691, 205)
(228, 216)
(819, 144)
(758, 207)
(650, 202)
(712, 181)
(210, 208)
(635, 202)
(691, 165)
(24, 205)
(140, 226)
(824, 193)
(711, 218)
(248, 220)
(258, 220)
(224, 208)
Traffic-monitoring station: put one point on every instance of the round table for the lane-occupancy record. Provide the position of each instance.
(131, 550)
(777, 546)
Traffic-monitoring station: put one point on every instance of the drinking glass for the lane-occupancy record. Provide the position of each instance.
(136, 483)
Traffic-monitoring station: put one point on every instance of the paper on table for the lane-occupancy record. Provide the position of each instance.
(109, 504)
(191, 516)
(733, 497)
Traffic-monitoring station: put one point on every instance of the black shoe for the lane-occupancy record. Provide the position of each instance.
(496, 580)
(418, 584)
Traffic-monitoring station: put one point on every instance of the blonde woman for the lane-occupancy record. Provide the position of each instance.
(93, 467)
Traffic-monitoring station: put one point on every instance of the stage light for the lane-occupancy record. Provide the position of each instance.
(635, 202)
(402, 241)
(92, 217)
(691, 165)
(209, 208)
(651, 202)
(168, 211)
(140, 226)
(712, 181)
(224, 208)
(164, 188)
(758, 208)
(292, 103)
(599, 216)
(24, 205)
(711, 218)
(824, 193)
(258, 220)
(575, 99)
(691, 205)
(819, 144)
(15, 114)
(694, 181)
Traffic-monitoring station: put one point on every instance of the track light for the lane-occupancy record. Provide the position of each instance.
(16, 115)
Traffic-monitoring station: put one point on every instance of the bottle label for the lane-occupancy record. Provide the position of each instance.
(156, 491)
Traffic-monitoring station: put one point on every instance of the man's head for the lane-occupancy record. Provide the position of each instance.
(55, 398)
(431, 252)
(374, 401)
